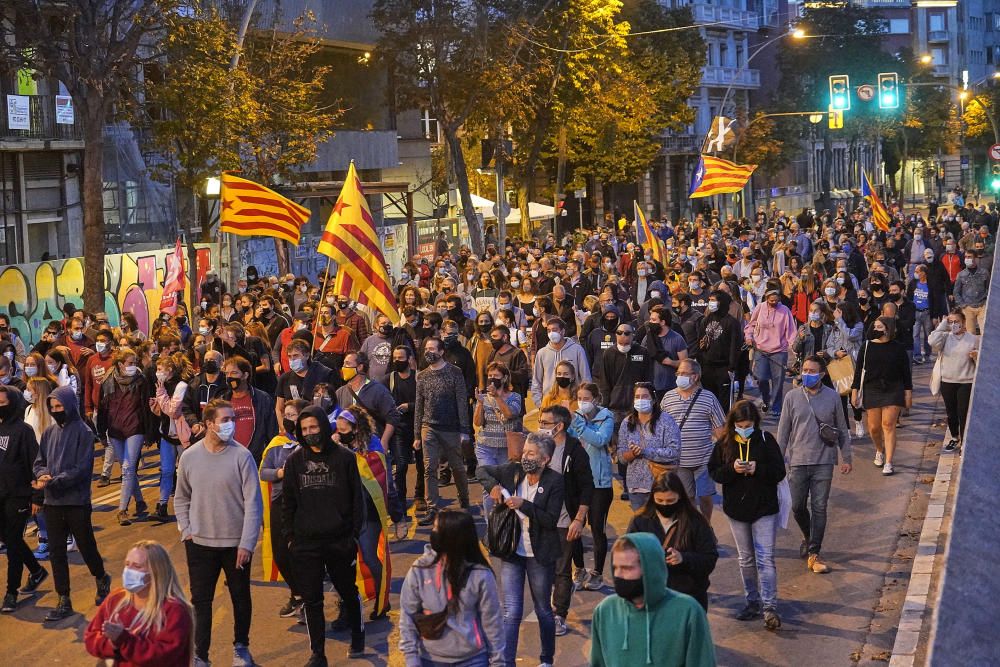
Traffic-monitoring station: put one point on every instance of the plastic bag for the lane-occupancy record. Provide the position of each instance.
(503, 532)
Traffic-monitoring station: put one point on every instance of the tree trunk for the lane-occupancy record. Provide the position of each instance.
(560, 177)
(281, 253)
(93, 211)
(462, 179)
(827, 168)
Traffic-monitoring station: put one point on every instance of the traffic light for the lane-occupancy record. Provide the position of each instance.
(888, 90)
(840, 92)
(995, 183)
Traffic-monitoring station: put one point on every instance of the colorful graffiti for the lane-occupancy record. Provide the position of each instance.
(34, 294)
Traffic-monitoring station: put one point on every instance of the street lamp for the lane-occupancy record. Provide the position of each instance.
(927, 59)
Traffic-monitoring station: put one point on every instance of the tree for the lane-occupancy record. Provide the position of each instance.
(765, 143)
(94, 49)
(982, 117)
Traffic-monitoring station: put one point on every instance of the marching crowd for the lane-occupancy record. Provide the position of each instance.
(741, 357)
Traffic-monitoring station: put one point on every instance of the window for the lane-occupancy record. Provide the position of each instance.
(935, 22)
(899, 26)
(739, 55)
(939, 56)
(723, 54)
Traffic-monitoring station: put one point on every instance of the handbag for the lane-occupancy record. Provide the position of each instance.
(503, 531)
(431, 625)
(841, 372)
(936, 376)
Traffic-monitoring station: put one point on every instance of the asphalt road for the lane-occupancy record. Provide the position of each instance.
(846, 617)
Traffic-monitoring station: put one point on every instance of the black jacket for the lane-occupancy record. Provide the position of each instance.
(266, 421)
(18, 448)
(543, 512)
(749, 497)
(322, 496)
(616, 374)
(578, 479)
(697, 559)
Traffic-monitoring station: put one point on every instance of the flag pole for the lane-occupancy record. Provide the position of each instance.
(322, 301)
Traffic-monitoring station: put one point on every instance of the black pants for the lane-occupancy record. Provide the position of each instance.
(859, 414)
(204, 566)
(956, 403)
(742, 371)
(279, 547)
(716, 380)
(63, 521)
(14, 513)
(418, 461)
(562, 590)
(313, 561)
(597, 516)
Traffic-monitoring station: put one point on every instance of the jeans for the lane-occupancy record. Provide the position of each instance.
(313, 562)
(512, 575)
(597, 516)
(637, 499)
(755, 546)
(110, 455)
(127, 451)
(767, 369)
(956, 403)
(437, 444)
(810, 487)
(14, 513)
(168, 463)
(921, 329)
(63, 521)
(204, 566)
(490, 456)
(480, 660)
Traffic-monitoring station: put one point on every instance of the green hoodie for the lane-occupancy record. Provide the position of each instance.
(623, 636)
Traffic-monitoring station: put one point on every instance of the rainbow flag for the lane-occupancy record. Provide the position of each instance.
(374, 564)
(645, 236)
(715, 176)
(880, 216)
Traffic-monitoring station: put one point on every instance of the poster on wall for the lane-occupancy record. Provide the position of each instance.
(18, 112)
(64, 110)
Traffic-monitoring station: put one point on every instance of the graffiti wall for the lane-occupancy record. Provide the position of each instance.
(34, 294)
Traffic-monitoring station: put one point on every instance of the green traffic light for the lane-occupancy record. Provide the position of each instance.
(839, 102)
(888, 100)
(995, 185)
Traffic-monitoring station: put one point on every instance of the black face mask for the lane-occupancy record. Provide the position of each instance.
(497, 344)
(564, 382)
(629, 589)
(59, 418)
(347, 438)
(667, 510)
(343, 305)
(863, 300)
(610, 324)
(210, 367)
(451, 340)
(182, 321)
(314, 440)
(288, 425)
(484, 328)
(234, 383)
(6, 413)
(497, 384)
(386, 329)
(400, 366)
(875, 334)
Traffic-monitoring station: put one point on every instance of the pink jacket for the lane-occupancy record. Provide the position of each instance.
(770, 329)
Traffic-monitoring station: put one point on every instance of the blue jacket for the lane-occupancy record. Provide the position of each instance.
(595, 435)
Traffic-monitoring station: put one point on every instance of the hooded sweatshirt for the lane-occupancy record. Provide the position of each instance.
(67, 454)
(545, 366)
(18, 448)
(671, 629)
(477, 626)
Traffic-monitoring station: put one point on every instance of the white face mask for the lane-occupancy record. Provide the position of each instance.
(162, 376)
(31, 371)
(830, 291)
(53, 368)
(654, 294)
(100, 346)
(133, 580)
(29, 395)
(131, 370)
(643, 405)
(713, 306)
(814, 317)
(622, 348)
(756, 277)
(226, 430)
(683, 381)
(555, 337)
(586, 407)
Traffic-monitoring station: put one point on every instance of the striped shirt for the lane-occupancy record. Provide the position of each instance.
(696, 434)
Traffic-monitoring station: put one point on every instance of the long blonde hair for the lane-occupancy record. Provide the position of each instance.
(41, 388)
(163, 585)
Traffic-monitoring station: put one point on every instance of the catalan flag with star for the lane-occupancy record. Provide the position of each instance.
(350, 240)
(880, 216)
(715, 176)
(250, 209)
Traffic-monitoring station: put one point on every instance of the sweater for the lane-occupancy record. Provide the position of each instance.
(67, 454)
(167, 647)
(217, 500)
(798, 429)
(884, 366)
(545, 366)
(953, 352)
(770, 330)
(662, 445)
(442, 402)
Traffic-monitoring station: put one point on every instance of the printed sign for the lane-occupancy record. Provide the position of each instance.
(18, 112)
(64, 110)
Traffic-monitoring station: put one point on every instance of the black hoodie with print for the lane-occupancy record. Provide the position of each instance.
(18, 448)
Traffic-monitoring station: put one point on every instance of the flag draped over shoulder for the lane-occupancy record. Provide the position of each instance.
(250, 209)
(715, 176)
(374, 566)
(880, 216)
(647, 239)
(267, 556)
(350, 240)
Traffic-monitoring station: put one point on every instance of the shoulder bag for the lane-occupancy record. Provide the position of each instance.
(828, 433)
(656, 469)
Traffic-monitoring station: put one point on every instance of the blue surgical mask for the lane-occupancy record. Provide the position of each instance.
(810, 380)
(133, 580)
(745, 433)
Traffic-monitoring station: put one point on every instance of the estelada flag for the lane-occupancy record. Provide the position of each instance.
(350, 240)
(715, 176)
(250, 209)
(880, 216)
(175, 280)
(644, 234)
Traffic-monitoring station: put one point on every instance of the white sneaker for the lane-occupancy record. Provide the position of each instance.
(887, 469)
(859, 430)
(879, 459)
(71, 544)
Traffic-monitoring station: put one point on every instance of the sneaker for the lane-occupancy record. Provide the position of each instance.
(161, 511)
(42, 552)
(241, 656)
(428, 519)
(71, 544)
(595, 582)
(580, 578)
(317, 660)
(35, 580)
(561, 628)
(887, 469)
(804, 549)
(357, 645)
(751, 610)
(123, 519)
(771, 619)
(141, 509)
(879, 459)
(300, 616)
(815, 564)
(9, 603)
(464, 503)
(952, 445)
(103, 588)
(198, 662)
(859, 430)
(919, 360)
(64, 609)
(420, 505)
(103, 481)
(291, 607)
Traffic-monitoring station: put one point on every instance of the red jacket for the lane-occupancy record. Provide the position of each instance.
(94, 371)
(170, 647)
(952, 263)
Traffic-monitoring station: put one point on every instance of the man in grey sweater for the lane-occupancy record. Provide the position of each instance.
(810, 458)
(219, 511)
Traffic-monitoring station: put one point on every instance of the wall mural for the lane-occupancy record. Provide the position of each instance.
(34, 294)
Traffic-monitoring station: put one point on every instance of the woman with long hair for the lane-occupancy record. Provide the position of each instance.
(171, 407)
(147, 622)
(958, 351)
(498, 411)
(648, 439)
(539, 336)
(411, 296)
(688, 541)
(59, 365)
(453, 578)
(563, 391)
(747, 462)
(258, 344)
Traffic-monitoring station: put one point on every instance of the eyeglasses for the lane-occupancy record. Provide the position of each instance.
(547, 424)
(623, 333)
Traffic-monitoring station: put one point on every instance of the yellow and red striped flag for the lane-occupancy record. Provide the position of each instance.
(880, 216)
(715, 176)
(250, 209)
(350, 240)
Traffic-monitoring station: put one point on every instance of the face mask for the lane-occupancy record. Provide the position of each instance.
(297, 365)
(348, 374)
(654, 294)
(563, 382)
(133, 580)
(288, 425)
(162, 376)
(667, 510)
(204, 331)
(841, 280)
(643, 405)
(182, 321)
(756, 277)
(204, 305)
(969, 262)
(347, 438)
(101, 347)
(694, 285)
(555, 337)
(515, 283)
(497, 344)
(531, 465)
(684, 382)
(59, 418)
(534, 273)
(611, 324)
(895, 296)
(917, 237)
(744, 433)
(713, 306)
(343, 304)
(226, 431)
(385, 329)
(450, 340)
(810, 380)
(830, 291)
(31, 371)
(586, 407)
(400, 366)
(29, 395)
(432, 357)
(314, 440)
(955, 328)
(53, 368)
(77, 335)
(863, 300)
(641, 273)
(875, 334)
(629, 589)
(303, 288)
(234, 383)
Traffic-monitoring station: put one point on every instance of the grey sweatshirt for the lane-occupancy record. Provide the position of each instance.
(798, 431)
(218, 501)
(476, 627)
(545, 366)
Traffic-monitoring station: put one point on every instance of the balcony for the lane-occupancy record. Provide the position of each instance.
(680, 144)
(730, 76)
(724, 17)
(43, 128)
(943, 71)
(937, 36)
